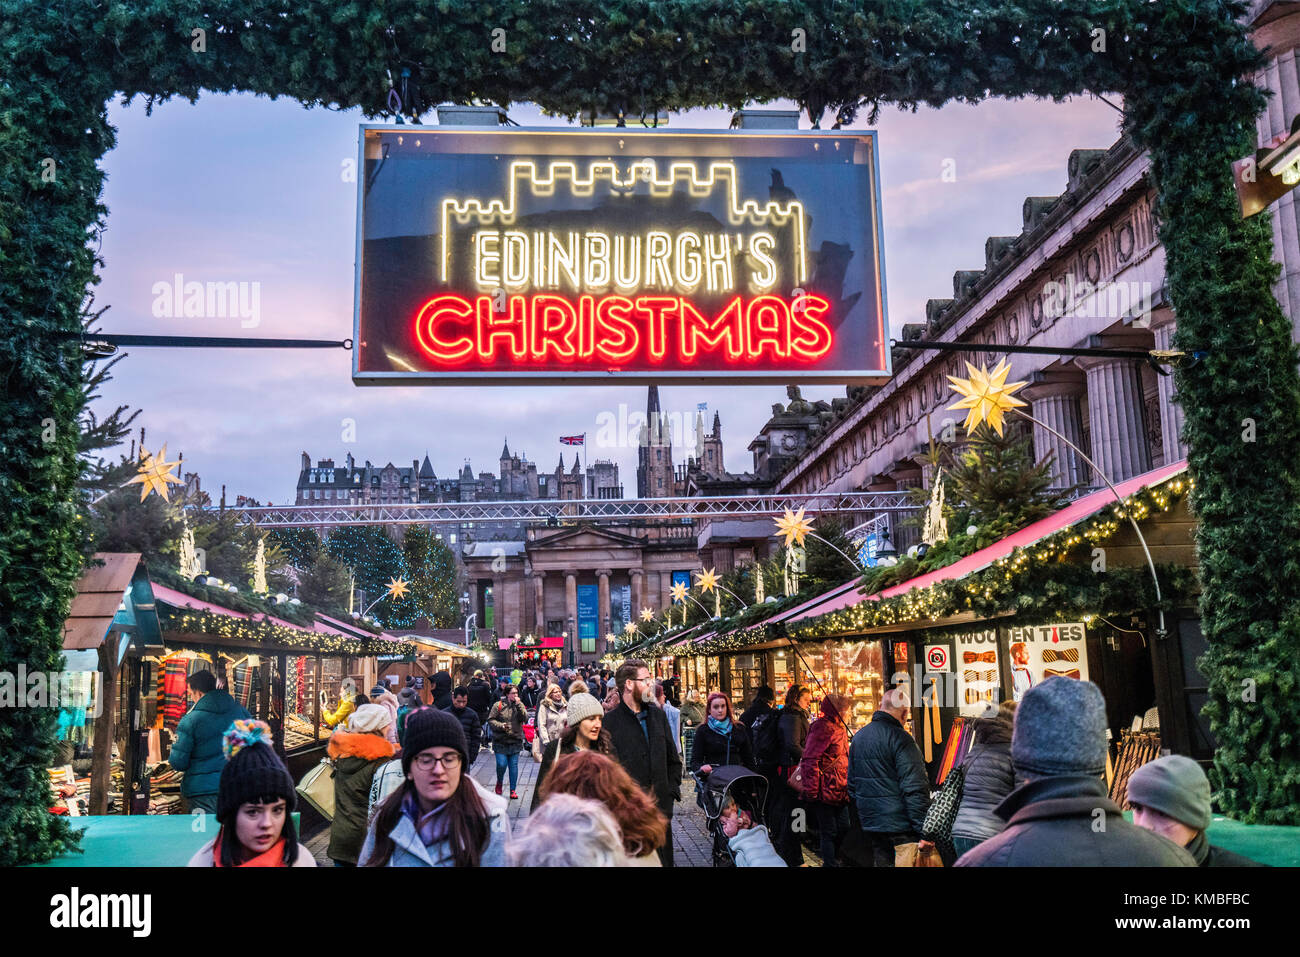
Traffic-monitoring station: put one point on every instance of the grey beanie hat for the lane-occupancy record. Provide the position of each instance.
(1175, 786)
(1060, 729)
(582, 705)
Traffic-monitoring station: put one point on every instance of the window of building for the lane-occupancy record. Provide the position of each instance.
(316, 494)
(329, 494)
(451, 538)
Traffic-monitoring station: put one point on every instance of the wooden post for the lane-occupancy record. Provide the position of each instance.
(101, 759)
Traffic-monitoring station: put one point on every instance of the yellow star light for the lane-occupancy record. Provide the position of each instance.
(708, 580)
(647, 614)
(155, 473)
(629, 627)
(793, 526)
(679, 592)
(986, 395)
(397, 587)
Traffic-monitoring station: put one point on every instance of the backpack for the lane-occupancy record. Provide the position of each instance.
(766, 734)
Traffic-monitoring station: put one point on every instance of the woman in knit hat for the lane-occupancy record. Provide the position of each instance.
(255, 803)
(358, 749)
(440, 816)
(552, 719)
(582, 732)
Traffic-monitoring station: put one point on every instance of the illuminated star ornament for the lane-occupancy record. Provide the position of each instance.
(679, 592)
(397, 587)
(155, 473)
(708, 579)
(647, 614)
(986, 395)
(793, 526)
(629, 627)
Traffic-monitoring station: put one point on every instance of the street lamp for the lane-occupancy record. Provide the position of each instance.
(568, 643)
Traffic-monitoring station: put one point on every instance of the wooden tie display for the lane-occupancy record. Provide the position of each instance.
(1136, 748)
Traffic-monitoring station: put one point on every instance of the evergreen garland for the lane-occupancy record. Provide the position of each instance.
(1178, 64)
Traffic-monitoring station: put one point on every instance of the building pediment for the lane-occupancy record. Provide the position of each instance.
(583, 538)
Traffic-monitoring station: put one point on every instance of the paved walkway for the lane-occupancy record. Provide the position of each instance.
(692, 843)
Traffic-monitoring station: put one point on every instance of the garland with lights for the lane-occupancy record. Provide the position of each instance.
(180, 623)
(1179, 65)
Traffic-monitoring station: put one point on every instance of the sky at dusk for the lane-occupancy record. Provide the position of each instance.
(241, 189)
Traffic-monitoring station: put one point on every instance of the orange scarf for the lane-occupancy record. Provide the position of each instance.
(273, 856)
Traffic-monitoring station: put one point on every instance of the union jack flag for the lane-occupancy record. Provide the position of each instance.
(574, 439)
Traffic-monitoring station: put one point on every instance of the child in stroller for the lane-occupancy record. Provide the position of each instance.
(733, 798)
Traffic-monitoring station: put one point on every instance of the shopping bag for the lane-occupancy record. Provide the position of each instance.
(942, 814)
(912, 855)
(317, 788)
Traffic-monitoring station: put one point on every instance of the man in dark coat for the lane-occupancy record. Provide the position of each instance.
(479, 695)
(197, 750)
(1171, 796)
(468, 719)
(1061, 816)
(644, 743)
(887, 779)
(442, 690)
(792, 725)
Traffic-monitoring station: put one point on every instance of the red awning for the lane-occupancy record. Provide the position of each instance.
(1072, 514)
(545, 643)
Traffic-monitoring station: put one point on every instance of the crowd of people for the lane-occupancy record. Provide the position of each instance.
(610, 749)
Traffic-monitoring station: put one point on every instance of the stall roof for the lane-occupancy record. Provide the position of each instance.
(101, 591)
(452, 649)
(1072, 514)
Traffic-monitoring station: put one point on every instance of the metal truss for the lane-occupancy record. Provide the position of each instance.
(855, 506)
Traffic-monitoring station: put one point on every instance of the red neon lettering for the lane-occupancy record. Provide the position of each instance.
(657, 307)
(554, 327)
(435, 311)
(613, 317)
(513, 327)
(813, 337)
(694, 328)
(586, 326)
(767, 321)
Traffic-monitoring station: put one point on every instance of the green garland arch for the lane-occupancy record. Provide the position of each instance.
(1179, 64)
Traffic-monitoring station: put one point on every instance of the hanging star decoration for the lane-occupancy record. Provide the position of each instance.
(647, 614)
(986, 395)
(708, 579)
(155, 473)
(679, 592)
(397, 587)
(793, 526)
(629, 627)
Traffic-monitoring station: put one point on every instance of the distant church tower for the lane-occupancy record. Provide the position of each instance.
(654, 471)
(711, 450)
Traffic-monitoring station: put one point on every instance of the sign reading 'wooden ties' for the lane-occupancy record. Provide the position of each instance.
(525, 255)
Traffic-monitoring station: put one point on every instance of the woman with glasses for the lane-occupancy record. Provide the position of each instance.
(440, 816)
(583, 732)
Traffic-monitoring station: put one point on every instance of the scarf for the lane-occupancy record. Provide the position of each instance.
(431, 827)
(273, 856)
(1199, 848)
(723, 727)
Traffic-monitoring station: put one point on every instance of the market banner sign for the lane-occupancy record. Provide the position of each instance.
(515, 256)
(979, 680)
(1038, 652)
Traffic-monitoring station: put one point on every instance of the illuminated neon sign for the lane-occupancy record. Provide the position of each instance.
(528, 256)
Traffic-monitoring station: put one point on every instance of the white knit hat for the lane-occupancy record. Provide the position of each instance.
(581, 706)
(370, 719)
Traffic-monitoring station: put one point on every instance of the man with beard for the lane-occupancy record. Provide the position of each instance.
(644, 743)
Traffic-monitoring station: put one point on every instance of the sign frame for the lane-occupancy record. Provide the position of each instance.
(612, 376)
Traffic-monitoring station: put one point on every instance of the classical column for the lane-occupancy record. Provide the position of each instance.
(539, 602)
(635, 575)
(571, 616)
(499, 608)
(1115, 417)
(1054, 401)
(665, 588)
(1171, 413)
(602, 609)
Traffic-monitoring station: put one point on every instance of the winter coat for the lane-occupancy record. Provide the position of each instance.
(794, 732)
(339, 715)
(825, 762)
(711, 747)
(387, 779)
(752, 847)
(389, 701)
(1052, 822)
(887, 777)
(203, 856)
(529, 695)
(551, 719)
(507, 722)
(356, 758)
(674, 722)
(603, 746)
(410, 851)
(479, 697)
(989, 779)
(693, 712)
(197, 748)
(468, 719)
(442, 691)
(654, 763)
(753, 711)
(1207, 855)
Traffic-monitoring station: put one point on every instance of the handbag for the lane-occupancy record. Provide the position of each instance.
(912, 855)
(317, 788)
(942, 814)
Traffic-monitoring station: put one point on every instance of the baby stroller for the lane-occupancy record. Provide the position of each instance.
(747, 788)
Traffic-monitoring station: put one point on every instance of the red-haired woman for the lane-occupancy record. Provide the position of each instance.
(590, 774)
(720, 740)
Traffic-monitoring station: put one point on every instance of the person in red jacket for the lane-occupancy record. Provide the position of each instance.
(824, 774)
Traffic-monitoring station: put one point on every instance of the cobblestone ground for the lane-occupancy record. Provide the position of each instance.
(692, 844)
